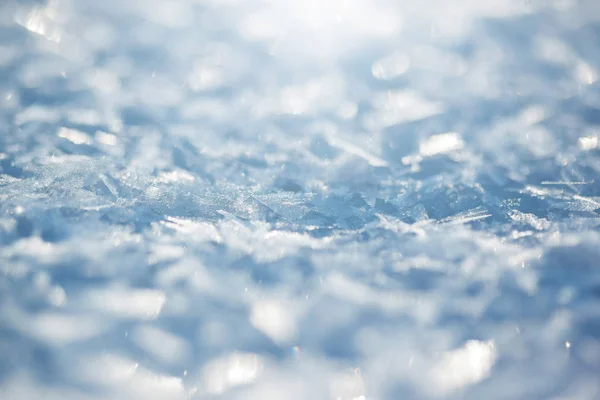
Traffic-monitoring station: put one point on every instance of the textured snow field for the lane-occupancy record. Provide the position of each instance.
(299, 199)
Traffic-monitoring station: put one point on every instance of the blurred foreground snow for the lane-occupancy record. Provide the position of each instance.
(287, 199)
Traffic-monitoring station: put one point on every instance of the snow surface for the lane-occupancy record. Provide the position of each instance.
(299, 199)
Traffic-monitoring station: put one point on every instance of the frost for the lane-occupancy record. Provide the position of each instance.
(74, 136)
(287, 199)
(127, 303)
(273, 319)
(464, 366)
(438, 144)
(222, 374)
(160, 344)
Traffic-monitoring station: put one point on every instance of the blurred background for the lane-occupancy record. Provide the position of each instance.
(286, 199)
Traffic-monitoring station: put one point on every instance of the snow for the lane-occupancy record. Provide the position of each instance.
(287, 199)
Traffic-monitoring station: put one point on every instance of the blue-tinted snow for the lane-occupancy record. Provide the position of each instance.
(288, 199)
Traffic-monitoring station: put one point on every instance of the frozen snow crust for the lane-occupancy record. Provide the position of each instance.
(269, 199)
